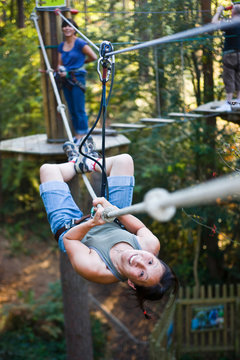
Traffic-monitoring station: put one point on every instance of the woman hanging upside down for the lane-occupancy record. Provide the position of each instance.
(99, 251)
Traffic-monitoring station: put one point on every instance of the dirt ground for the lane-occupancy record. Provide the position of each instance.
(40, 266)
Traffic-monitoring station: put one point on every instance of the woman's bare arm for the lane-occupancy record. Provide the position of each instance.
(90, 54)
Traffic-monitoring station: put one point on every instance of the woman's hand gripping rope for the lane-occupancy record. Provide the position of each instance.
(100, 210)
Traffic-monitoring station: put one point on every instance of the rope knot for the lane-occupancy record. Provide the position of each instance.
(61, 107)
(106, 214)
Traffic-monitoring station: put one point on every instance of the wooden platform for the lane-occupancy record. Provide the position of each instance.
(157, 121)
(127, 126)
(108, 131)
(185, 115)
(37, 146)
(211, 108)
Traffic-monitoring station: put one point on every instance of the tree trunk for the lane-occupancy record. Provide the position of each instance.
(142, 27)
(196, 258)
(1, 199)
(75, 301)
(76, 314)
(196, 78)
(210, 239)
(207, 58)
(20, 14)
(11, 7)
(4, 15)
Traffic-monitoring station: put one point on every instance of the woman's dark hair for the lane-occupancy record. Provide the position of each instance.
(167, 285)
(65, 23)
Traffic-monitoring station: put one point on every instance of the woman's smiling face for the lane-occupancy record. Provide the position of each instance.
(141, 267)
(68, 30)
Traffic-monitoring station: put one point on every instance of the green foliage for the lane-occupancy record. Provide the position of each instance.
(35, 328)
(21, 98)
(99, 335)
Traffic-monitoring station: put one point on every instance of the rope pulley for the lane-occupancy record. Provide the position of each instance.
(106, 62)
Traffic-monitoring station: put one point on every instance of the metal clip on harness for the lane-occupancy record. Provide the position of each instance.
(105, 61)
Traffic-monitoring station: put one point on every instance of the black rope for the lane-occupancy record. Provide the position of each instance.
(102, 111)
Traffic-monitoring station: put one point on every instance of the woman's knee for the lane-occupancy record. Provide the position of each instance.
(124, 163)
(47, 171)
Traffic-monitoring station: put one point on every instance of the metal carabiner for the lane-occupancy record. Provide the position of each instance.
(107, 65)
(98, 68)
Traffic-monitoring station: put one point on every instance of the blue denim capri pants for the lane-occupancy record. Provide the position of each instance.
(61, 208)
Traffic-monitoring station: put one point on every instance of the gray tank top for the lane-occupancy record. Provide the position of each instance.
(103, 238)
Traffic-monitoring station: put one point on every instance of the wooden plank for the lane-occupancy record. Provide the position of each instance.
(157, 121)
(195, 297)
(231, 316)
(185, 115)
(207, 301)
(179, 321)
(207, 349)
(237, 324)
(202, 295)
(209, 296)
(127, 126)
(188, 317)
(210, 107)
(225, 342)
(38, 145)
(217, 297)
(108, 131)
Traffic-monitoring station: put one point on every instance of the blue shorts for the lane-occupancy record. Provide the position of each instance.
(61, 208)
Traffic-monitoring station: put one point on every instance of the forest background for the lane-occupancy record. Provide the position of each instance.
(201, 244)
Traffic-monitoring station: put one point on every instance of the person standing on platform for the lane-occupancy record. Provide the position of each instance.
(73, 54)
(231, 59)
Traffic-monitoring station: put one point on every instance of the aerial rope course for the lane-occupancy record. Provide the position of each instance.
(158, 203)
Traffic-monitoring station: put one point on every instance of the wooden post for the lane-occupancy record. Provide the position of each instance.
(51, 32)
(237, 319)
(75, 300)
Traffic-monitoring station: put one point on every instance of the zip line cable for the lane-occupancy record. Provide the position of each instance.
(178, 36)
(161, 205)
(145, 12)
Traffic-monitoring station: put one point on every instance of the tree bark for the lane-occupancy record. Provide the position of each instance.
(196, 258)
(207, 58)
(75, 302)
(20, 14)
(143, 34)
